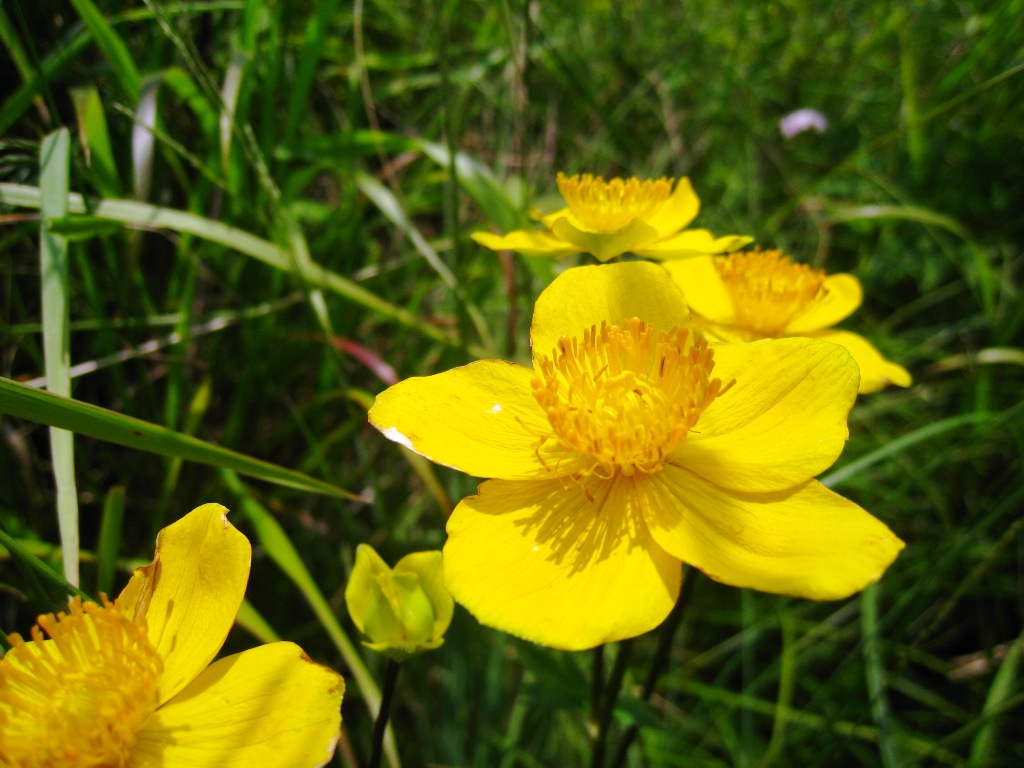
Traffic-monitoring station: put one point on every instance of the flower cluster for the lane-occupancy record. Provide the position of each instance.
(734, 296)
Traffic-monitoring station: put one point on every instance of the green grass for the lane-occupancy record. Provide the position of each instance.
(306, 180)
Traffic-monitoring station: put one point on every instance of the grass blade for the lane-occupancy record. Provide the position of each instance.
(875, 673)
(984, 743)
(113, 47)
(109, 545)
(54, 154)
(900, 444)
(156, 217)
(26, 402)
(95, 139)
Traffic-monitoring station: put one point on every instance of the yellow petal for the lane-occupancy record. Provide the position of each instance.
(190, 594)
(690, 243)
(843, 296)
(679, 210)
(540, 560)
(606, 245)
(703, 288)
(781, 423)
(481, 419)
(549, 219)
(586, 296)
(269, 707)
(875, 371)
(429, 568)
(528, 241)
(807, 541)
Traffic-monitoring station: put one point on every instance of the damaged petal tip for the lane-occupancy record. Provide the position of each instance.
(392, 433)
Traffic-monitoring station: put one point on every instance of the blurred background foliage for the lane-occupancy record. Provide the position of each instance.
(361, 144)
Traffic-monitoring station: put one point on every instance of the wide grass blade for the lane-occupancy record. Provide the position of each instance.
(113, 47)
(26, 402)
(54, 164)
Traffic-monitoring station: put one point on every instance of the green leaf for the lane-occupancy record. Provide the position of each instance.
(26, 402)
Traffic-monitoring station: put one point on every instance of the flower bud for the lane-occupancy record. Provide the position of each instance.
(402, 611)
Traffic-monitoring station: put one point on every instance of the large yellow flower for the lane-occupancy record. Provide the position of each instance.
(632, 446)
(129, 684)
(764, 294)
(610, 218)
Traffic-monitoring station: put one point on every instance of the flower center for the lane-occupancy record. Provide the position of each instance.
(626, 396)
(608, 206)
(768, 290)
(79, 698)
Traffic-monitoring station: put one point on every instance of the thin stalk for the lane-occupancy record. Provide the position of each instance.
(610, 698)
(660, 661)
(380, 726)
(596, 690)
(874, 671)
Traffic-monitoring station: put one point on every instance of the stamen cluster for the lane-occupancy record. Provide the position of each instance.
(626, 396)
(768, 291)
(608, 206)
(79, 698)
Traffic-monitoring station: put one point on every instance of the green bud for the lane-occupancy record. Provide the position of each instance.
(403, 611)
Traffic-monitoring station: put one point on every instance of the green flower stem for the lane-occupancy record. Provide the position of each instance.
(610, 698)
(659, 662)
(390, 678)
(596, 689)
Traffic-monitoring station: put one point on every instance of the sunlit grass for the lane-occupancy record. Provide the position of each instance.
(311, 173)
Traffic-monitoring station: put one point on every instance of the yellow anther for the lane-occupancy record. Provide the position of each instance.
(608, 206)
(626, 396)
(79, 698)
(768, 291)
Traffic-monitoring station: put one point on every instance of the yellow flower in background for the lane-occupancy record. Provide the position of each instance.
(129, 684)
(763, 294)
(403, 611)
(610, 218)
(633, 446)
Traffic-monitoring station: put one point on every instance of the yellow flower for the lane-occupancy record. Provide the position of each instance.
(763, 294)
(633, 446)
(610, 218)
(403, 611)
(129, 684)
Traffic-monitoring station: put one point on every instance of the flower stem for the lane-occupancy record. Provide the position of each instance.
(609, 699)
(660, 660)
(596, 690)
(379, 727)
